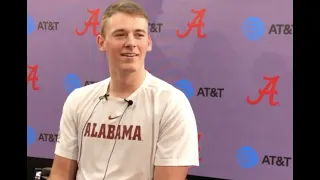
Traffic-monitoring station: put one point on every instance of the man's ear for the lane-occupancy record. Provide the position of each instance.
(149, 43)
(100, 43)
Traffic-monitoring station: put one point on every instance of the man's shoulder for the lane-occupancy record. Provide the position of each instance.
(165, 90)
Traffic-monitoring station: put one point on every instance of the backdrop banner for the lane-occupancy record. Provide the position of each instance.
(232, 59)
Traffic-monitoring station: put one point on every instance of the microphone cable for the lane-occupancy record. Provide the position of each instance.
(130, 102)
(80, 150)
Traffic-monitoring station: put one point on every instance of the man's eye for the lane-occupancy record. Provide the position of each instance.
(120, 35)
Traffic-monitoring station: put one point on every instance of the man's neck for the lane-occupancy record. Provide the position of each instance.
(122, 86)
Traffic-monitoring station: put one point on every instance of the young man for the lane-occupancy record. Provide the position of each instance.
(131, 126)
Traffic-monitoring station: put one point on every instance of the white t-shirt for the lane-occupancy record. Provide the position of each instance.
(158, 129)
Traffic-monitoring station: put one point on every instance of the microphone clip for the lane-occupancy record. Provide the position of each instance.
(104, 97)
(130, 102)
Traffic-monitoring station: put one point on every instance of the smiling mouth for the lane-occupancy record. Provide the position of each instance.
(129, 54)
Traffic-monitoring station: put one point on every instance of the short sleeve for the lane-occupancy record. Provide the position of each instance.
(178, 139)
(67, 142)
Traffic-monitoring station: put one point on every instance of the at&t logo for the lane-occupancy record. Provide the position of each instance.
(31, 25)
(42, 25)
(253, 28)
(186, 87)
(71, 82)
(247, 157)
(31, 135)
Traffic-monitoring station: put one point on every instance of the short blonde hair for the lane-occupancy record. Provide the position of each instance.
(124, 6)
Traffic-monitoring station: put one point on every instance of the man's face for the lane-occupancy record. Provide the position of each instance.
(126, 42)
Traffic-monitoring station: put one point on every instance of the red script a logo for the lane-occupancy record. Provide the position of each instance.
(92, 22)
(33, 77)
(197, 22)
(269, 89)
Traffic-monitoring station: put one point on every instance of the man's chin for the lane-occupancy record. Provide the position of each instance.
(128, 68)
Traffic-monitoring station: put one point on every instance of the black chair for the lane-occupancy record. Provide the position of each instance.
(42, 173)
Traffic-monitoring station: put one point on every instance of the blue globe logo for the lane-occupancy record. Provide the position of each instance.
(31, 135)
(247, 157)
(186, 87)
(31, 25)
(253, 28)
(71, 82)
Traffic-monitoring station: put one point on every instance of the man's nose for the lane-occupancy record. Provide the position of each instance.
(130, 43)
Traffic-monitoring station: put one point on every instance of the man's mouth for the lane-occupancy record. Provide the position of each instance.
(129, 54)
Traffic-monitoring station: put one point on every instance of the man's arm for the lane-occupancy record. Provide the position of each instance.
(63, 169)
(177, 147)
(66, 153)
(170, 172)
